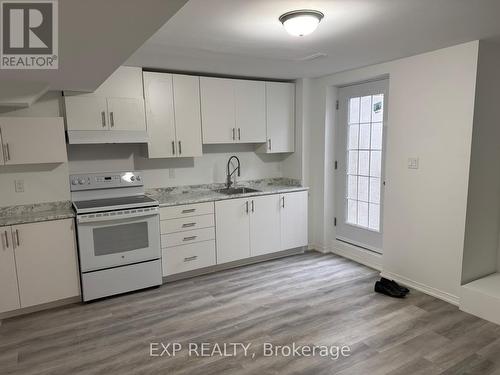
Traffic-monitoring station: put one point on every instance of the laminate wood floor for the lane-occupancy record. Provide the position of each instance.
(309, 299)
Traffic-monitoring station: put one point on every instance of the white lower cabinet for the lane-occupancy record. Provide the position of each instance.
(264, 224)
(185, 258)
(232, 226)
(43, 257)
(293, 219)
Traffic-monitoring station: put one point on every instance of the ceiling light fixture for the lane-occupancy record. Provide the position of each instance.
(301, 22)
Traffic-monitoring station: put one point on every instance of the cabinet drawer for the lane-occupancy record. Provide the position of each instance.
(185, 224)
(186, 210)
(183, 238)
(188, 257)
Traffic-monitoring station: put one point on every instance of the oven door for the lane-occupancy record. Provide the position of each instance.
(118, 238)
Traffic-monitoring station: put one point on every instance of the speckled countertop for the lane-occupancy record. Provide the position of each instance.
(205, 193)
(31, 213)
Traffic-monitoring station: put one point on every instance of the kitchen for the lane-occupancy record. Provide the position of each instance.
(180, 196)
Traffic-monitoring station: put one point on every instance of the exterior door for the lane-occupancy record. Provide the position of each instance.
(362, 119)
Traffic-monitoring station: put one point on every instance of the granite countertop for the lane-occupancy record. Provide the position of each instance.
(31, 213)
(205, 193)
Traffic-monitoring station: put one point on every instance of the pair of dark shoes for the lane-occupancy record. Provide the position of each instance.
(391, 288)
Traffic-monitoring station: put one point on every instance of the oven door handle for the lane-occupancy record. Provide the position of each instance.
(93, 218)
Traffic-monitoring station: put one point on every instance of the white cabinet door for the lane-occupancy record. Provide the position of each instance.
(126, 114)
(160, 114)
(33, 140)
(232, 230)
(265, 224)
(46, 261)
(250, 111)
(280, 117)
(9, 294)
(86, 113)
(187, 115)
(217, 110)
(293, 220)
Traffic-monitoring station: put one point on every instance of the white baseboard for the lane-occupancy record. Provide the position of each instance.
(448, 297)
(357, 254)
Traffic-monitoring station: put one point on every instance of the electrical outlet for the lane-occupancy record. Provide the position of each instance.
(412, 163)
(19, 184)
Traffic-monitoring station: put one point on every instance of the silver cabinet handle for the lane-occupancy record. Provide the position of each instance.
(283, 200)
(112, 119)
(239, 134)
(269, 141)
(103, 118)
(6, 239)
(173, 147)
(7, 152)
(234, 138)
(190, 238)
(253, 208)
(246, 203)
(180, 148)
(188, 225)
(17, 237)
(189, 259)
(188, 210)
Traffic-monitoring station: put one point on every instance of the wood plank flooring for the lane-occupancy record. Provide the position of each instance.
(309, 299)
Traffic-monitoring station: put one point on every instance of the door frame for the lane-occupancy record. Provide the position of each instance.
(353, 90)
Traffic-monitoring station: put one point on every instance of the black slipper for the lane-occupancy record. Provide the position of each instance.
(389, 290)
(394, 284)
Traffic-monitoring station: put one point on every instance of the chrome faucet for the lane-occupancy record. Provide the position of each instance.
(229, 174)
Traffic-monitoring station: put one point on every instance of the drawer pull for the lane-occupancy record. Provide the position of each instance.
(190, 238)
(188, 225)
(189, 210)
(189, 259)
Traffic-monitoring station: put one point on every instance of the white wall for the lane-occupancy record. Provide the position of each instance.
(483, 207)
(431, 101)
(42, 182)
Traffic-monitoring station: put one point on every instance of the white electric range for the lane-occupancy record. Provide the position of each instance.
(118, 233)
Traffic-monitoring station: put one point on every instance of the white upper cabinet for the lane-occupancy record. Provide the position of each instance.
(250, 111)
(115, 110)
(187, 110)
(280, 117)
(294, 220)
(217, 110)
(173, 115)
(32, 140)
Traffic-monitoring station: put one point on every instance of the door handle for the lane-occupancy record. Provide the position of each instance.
(6, 239)
(234, 138)
(283, 201)
(239, 134)
(112, 119)
(269, 141)
(173, 147)
(103, 119)
(7, 152)
(189, 259)
(180, 148)
(246, 204)
(190, 238)
(17, 237)
(253, 208)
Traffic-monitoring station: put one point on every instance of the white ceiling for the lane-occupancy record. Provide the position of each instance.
(244, 37)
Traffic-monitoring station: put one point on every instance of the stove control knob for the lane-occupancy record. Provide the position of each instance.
(132, 178)
(74, 182)
(81, 181)
(138, 178)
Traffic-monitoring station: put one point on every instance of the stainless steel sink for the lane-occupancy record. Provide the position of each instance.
(236, 190)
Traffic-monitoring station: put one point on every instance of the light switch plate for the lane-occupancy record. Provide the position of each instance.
(412, 163)
(19, 185)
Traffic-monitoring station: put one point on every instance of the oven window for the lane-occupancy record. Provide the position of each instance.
(120, 238)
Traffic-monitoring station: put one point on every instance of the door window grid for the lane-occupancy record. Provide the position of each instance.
(364, 154)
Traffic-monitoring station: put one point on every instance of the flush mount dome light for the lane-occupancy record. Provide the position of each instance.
(301, 22)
